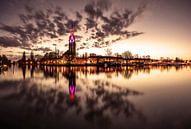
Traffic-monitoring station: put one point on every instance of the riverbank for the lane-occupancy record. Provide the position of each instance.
(108, 64)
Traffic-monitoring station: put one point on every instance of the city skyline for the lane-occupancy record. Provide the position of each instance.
(159, 29)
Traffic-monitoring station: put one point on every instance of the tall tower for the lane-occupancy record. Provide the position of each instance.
(24, 57)
(72, 46)
(32, 56)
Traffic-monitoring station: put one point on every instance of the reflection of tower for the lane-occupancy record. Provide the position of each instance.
(32, 71)
(23, 58)
(72, 46)
(24, 71)
(72, 85)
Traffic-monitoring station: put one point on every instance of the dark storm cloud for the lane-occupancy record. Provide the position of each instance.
(97, 20)
(8, 42)
(79, 16)
(116, 23)
(38, 23)
(92, 10)
(115, 40)
(43, 49)
(104, 4)
(17, 31)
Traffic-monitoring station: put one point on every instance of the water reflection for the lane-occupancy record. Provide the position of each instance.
(96, 104)
(24, 71)
(72, 97)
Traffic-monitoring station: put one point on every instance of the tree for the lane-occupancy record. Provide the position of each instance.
(136, 56)
(77, 54)
(46, 56)
(127, 54)
(148, 56)
(177, 59)
(108, 52)
(116, 54)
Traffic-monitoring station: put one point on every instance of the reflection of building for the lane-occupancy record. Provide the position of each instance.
(71, 76)
(67, 72)
(24, 71)
(23, 68)
(72, 85)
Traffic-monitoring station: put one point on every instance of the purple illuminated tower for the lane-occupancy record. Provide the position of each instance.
(72, 46)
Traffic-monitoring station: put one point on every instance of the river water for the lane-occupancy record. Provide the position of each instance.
(95, 98)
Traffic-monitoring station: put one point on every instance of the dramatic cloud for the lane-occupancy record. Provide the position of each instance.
(116, 24)
(44, 49)
(38, 24)
(8, 42)
(102, 24)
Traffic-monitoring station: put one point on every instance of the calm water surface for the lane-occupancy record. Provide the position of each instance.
(95, 98)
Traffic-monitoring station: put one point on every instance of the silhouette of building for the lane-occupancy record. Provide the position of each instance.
(24, 57)
(23, 60)
(70, 58)
(32, 56)
(27, 61)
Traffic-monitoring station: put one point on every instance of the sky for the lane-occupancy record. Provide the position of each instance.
(159, 28)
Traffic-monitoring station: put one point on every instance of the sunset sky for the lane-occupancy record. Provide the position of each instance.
(159, 28)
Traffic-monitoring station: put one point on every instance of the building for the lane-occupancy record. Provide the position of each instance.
(69, 58)
(72, 46)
